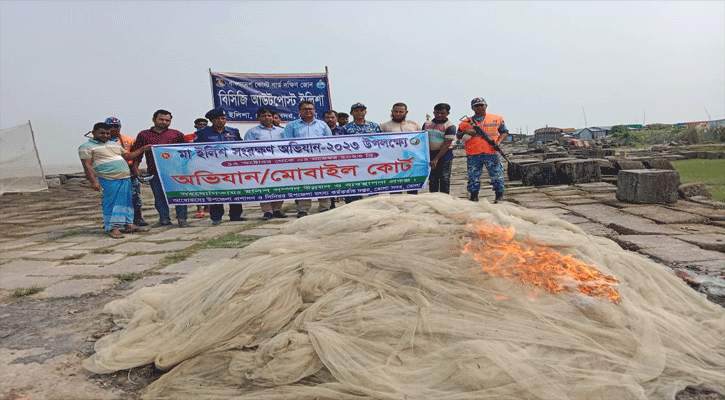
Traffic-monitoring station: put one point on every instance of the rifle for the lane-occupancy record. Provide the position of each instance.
(485, 137)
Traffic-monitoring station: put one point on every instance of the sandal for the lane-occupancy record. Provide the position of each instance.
(199, 214)
(134, 229)
(115, 234)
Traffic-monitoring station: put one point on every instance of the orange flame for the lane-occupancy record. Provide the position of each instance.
(536, 263)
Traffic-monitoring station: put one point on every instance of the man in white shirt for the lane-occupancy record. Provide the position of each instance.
(398, 123)
(266, 130)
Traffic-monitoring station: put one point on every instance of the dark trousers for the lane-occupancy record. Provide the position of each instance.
(216, 211)
(440, 176)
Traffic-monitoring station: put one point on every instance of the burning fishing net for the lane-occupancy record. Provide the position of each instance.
(422, 297)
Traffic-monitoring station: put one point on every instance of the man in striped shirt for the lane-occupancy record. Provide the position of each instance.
(106, 168)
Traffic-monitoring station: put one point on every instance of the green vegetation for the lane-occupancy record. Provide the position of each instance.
(666, 134)
(230, 241)
(20, 293)
(73, 256)
(129, 277)
(709, 172)
(102, 250)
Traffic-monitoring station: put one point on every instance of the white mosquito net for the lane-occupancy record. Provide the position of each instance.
(422, 297)
(20, 169)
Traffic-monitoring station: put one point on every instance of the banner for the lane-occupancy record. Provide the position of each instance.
(241, 95)
(262, 171)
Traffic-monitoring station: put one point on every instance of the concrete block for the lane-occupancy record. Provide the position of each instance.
(687, 190)
(658, 163)
(620, 165)
(579, 171)
(548, 156)
(650, 186)
(514, 168)
(539, 174)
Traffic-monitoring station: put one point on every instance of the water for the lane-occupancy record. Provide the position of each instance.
(54, 169)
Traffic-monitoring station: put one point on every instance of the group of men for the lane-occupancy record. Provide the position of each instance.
(111, 160)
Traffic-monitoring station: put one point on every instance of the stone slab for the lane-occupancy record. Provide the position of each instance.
(17, 254)
(574, 219)
(148, 247)
(597, 229)
(98, 259)
(683, 254)
(135, 264)
(59, 254)
(622, 223)
(595, 187)
(707, 241)
(580, 200)
(637, 242)
(16, 245)
(77, 287)
(665, 216)
(700, 228)
(200, 259)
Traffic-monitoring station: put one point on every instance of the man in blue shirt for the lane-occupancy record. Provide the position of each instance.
(219, 132)
(359, 126)
(330, 118)
(307, 126)
(267, 131)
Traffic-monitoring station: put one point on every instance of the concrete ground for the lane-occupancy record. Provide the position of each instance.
(52, 242)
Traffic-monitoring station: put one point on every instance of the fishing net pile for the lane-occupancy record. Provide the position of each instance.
(422, 297)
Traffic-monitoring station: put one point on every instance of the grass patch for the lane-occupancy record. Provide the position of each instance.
(229, 241)
(102, 250)
(129, 277)
(20, 293)
(179, 256)
(73, 257)
(709, 172)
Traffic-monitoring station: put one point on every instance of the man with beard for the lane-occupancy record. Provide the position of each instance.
(219, 132)
(398, 123)
(159, 134)
(441, 133)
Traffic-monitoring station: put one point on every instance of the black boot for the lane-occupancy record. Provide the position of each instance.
(138, 219)
(499, 198)
(474, 196)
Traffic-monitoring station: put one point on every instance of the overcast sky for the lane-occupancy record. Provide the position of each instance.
(67, 65)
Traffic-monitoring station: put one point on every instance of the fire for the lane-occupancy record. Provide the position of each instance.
(536, 263)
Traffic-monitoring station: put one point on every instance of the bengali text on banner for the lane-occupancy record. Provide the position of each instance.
(241, 95)
(262, 171)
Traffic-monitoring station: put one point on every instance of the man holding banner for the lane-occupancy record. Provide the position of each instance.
(267, 131)
(307, 126)
(219, 132)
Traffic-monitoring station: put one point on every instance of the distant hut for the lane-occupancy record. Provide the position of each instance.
(593, 133)
(548, 134)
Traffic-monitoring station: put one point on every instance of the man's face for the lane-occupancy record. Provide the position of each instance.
(330, 120)
(219, 122)
(440, 114)
(277, 120)
(359, 113)
(162, 121)
(307, 112)
(398, 113)
(266, 120)
(102, 135)
(479, 109)
(200, 124)
(115, 131)
(342, 120)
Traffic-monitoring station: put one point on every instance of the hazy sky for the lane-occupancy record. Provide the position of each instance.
(67, 65)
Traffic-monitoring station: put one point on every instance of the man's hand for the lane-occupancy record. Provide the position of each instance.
(95, 186)
(433, 163)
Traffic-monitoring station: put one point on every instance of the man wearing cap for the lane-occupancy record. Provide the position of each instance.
(441, 133)
(159, 134)
(126, 142)
(219, 132)
(267, 131)
(307, 126)
(359, 125)
(398, 123)
(479, 153)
